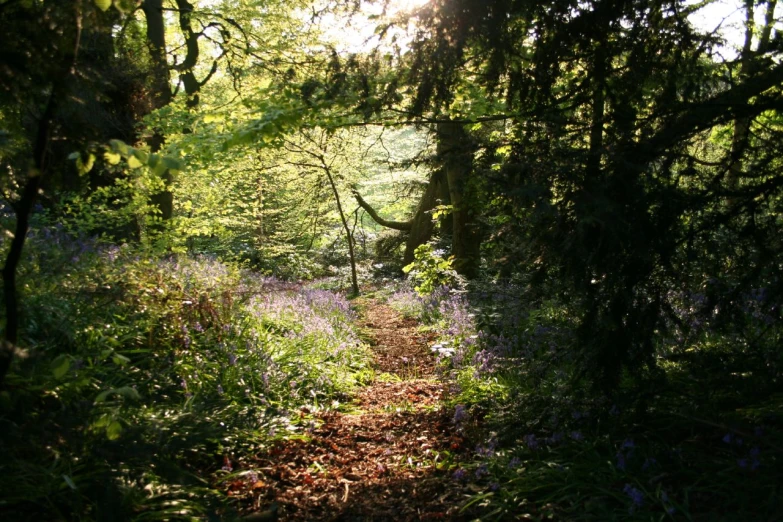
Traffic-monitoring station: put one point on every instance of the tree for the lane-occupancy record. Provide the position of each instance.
(326, 153)
(54, 64)
(608, 174)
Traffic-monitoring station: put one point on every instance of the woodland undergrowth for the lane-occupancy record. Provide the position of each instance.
(697, 438)
(147, 378)
(144, 377)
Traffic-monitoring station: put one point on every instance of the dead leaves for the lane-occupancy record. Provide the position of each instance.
(386, 462)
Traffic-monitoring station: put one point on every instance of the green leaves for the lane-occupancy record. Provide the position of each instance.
(430, 270)
(83, 164)
(118, 150)
(103, 5)
(60, 366)
(125, 392)
(110, 425)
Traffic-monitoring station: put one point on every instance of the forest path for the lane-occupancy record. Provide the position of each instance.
(379, 463)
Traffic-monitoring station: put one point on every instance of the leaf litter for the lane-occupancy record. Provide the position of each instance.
(389, 460)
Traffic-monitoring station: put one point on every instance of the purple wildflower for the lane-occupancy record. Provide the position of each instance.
(636, 496)
(620, 461)
(460, 413)
(531, 441)
(482, 471)
(460, 474)
(577, 435)
(514, 463)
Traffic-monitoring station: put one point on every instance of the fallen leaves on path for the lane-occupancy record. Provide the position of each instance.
(384, 463)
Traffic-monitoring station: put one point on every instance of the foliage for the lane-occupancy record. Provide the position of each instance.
(614, 178)
(430, 270)
(156, 373)
(548, 446)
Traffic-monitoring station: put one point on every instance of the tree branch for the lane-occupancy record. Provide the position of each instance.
(405, 226)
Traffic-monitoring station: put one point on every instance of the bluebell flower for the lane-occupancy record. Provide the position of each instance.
(727, 438)
(494, 486)
(620, 464)
(460, 474)
(514, 463)
(577, 435)
(460, 413)
(636, 496)
(482, 471)
(531, 441)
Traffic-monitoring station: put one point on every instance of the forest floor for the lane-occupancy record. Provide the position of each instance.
(381, 460)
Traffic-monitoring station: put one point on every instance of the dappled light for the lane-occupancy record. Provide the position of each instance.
(370, 260)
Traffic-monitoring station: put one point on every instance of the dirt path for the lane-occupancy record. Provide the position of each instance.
(381, 463)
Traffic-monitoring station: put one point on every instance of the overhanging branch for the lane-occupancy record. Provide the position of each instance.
(405, 226)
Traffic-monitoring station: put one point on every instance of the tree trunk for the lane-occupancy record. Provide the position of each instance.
(455, 152)
(25, 206)
(22, 209)
(348, 235)
(161, 95)
(422, 225)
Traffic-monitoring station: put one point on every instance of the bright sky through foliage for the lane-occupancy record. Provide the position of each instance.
(357, 33)
(727, 17)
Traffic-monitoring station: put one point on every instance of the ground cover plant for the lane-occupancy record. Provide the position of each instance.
(705, 446)
(166, 370)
